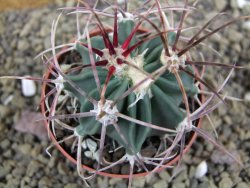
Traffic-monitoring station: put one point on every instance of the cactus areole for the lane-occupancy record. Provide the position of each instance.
(155, 98)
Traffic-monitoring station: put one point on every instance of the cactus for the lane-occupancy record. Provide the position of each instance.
(157, 101)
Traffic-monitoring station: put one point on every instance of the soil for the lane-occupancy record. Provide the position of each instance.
(23, 160)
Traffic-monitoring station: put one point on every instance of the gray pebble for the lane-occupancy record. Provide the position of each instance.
(4, 111)
(5, 144)
(30, 26)
(139, 182)
(19, 171)
(234, 35)
(243, 185)
(23, 45)
(182, 176)
(25, 149)
(160, 184)
(114, 181)
(44, 182)
(247, 97)
(62, 168)
(121, 185)
(164, 175)
(33, 167)
(70, 185)
(178, 185)
(3, 172)
(220, 5)
(194, 183)
(204, 184)
(225, 183)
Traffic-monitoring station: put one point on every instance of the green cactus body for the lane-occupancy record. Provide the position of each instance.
(160, 105)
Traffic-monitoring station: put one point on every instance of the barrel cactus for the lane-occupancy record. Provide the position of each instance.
(156, 101)
(128, 89)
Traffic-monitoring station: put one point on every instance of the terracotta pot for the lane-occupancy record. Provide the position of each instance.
(73, 160)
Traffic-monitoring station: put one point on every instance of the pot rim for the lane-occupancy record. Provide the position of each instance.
(125, 176)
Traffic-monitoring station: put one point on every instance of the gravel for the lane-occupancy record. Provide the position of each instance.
(23, 160)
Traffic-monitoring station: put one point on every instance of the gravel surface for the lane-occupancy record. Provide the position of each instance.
(23, 160)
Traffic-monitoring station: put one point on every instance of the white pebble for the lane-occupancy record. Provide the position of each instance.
(92, 145)
(242, 3)
(246, 25)
(84, 145)
(88, 154)
(201, 170)
(28, 87)
(247, 97)
(120, 1)
(96, 155)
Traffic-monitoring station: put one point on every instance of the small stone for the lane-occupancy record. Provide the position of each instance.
(1, 50)
(25, 149)
(220, 5)
(33, 167)
(228, 120)
(44, 182)
(121, 185)
(179, 185)
(8, 153)
(242, 185)
(92, 145)
(242, 3)
(52, 162)
(5, 144)
(218, 157)
(234, 35)
(23, 45)
(62, 168)
(160, 184)
(71, 185)
(194, 183)
(19, 171)
(246, 25)
(247, 97)
(201, 170)
(88, 154)
(36, 150)
(120, 1)
(204, 184)
(114, 181)
(2, 127)
(191, 173)
(3, 172)
(181, 175)
(224, 175)
(138, 182)
(211, 184)
(225, 183)
(4, 111)
(164, 175)
(28, 27)
(45, 31)
(151, 179)
(13, 182)
(28, 87)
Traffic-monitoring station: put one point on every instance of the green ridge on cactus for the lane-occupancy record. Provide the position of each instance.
(160, 106)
